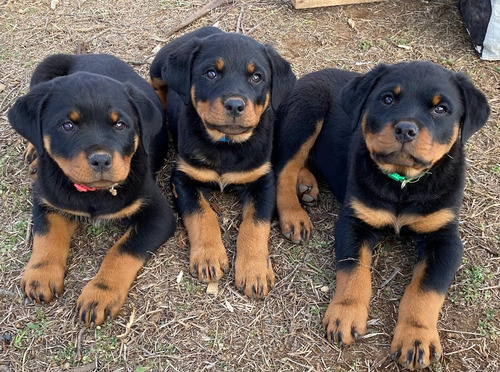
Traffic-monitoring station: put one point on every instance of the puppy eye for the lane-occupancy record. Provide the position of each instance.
(119, 125)
(68, 126)
(256, 78)
(211, 74)
(440, 110)
(388, 99)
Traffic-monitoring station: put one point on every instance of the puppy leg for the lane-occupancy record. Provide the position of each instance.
(104, 295)
(43, 277)
(254, 274)
(346, 316)
(294, 221)
(307, 187)
(207, 257)
(416, 340)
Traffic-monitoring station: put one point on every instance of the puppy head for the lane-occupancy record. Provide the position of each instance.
(230, 79)
(89, 125)
(411, 114)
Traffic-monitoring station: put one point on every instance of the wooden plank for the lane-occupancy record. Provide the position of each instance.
(303, 4)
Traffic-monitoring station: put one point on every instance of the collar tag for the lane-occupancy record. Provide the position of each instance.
(405, 180)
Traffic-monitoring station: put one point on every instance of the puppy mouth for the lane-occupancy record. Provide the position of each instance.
(230, 129)
(400, 159)
(99, 184)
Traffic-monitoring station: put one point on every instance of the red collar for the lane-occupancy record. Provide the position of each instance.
(83, 188)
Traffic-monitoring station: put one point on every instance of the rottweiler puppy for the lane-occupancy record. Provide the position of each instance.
(389, 144)
(99, 134)
(221, 91)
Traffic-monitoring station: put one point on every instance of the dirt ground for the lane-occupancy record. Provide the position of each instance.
(169, 322)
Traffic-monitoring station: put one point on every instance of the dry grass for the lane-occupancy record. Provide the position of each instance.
(178, 327)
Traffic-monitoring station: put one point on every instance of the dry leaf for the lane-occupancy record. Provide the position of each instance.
(53, 4)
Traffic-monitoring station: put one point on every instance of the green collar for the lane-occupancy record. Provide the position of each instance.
(405, 180)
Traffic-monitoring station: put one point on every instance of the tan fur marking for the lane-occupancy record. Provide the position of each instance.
(108, 289)
(223, 125)
(114, 116)
(430, 222)
(207, 257)
(128, 211)
(436, 100)
(160, 88)
(253, 270)
(416, 327)
(79, 171)
(424, 148)
(293, 218)
(251, 68)
(397, 90)
(74, 115)
(380, 218)
(209, 175)
(219, 63)
(67, 211)
(45, 270)
(348, 309)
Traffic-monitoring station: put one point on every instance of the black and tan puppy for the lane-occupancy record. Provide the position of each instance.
(98, 131)
(221, 91)
(390, 146)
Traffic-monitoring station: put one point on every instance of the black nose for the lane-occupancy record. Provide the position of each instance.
(234, 107)
(405, 131)
(100, 162)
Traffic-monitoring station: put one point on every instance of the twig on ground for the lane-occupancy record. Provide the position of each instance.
(198, 14)
(394, 273)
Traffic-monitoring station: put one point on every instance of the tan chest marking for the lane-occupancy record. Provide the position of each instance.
(419, 223)
(209, 175)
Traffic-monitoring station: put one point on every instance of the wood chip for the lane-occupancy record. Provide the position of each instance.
(179, 277)
(213, 288)
(229, 306)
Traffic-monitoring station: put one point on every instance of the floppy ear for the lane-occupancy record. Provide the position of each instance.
(26, 114)
(176, 68)
(150, 116)
(283, 79)
(353, 96)
(476, 108)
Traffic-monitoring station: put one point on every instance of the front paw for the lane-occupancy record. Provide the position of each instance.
(415, 346)
(43, 280)
(99, 301)
(295, 224)
(254, 277)
(345, 320)
(209, 262)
